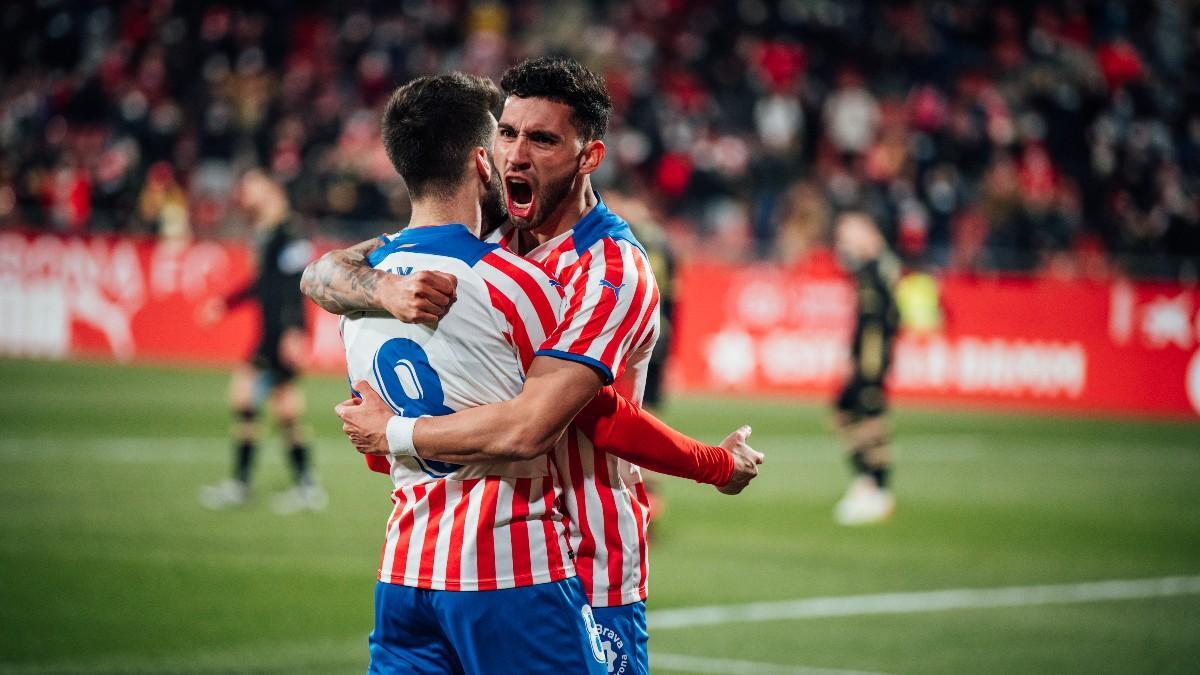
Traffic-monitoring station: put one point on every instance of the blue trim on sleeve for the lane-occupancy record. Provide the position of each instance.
(599, 223)
(449, 241)
(578, 358)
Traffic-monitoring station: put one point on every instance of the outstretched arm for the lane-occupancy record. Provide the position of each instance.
(618, 426)
(343, 281)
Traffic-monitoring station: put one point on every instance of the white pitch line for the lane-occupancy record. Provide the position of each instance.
(927, 601)
(700, 664)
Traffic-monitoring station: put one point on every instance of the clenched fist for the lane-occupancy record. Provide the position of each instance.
(422, 297)
(745, 461)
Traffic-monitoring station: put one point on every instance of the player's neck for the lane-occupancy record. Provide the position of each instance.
(458, 208)
(578, 202)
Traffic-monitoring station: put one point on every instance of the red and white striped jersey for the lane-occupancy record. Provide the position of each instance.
(482, 526)
(610, 322)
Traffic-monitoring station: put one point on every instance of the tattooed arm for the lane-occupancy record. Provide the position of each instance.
(342, 281)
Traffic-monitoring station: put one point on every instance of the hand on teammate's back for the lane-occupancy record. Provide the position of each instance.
(745, 461)
(423, 297)
(364, 420)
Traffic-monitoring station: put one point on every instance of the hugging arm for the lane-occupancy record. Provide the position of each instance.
(529, 425)
(343, 281)
(524, 427)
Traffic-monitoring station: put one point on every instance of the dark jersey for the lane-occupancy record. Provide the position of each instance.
(282, 256)
(875, 327)
(878, 316)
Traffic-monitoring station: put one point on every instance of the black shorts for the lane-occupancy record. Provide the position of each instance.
(861, 397)
(267, 358)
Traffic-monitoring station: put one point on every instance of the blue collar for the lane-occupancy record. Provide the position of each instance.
(422, 234)
(599, 223)
(451, 241)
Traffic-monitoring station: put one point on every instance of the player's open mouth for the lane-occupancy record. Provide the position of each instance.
(519, 194)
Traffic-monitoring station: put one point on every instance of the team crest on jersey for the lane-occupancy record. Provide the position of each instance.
(612, 649)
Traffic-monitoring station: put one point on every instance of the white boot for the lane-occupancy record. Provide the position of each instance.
(228, 494)
(303, 497)
(864, 504)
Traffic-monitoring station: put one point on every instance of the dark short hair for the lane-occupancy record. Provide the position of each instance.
(430, 126)
(564, 81)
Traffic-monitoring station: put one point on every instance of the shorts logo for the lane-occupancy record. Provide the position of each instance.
(615, 656)
(593, 631)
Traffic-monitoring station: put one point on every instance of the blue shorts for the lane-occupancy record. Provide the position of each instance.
(623, 636)
(545, 628)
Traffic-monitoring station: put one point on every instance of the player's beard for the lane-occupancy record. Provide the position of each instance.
(493, 207)
(549, 197)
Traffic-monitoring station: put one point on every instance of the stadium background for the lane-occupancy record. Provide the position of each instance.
(1041, 162)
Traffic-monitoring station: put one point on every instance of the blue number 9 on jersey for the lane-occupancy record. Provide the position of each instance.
(410, 385)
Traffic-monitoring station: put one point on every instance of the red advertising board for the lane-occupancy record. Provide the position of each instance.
(126, 299)
(1109, 347)
(1041, 343)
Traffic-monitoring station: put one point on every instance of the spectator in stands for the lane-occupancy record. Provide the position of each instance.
(1049, 128)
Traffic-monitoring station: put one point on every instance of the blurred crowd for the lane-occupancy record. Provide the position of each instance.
(1057, 136)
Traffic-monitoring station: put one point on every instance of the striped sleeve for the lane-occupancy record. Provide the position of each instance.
(525, 296)
(607, 309)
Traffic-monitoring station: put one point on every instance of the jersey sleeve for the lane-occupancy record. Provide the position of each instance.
(608, 308)
(625, 429)
(378, 464)
(526, 298)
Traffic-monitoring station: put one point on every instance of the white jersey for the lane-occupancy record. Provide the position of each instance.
(482, 526)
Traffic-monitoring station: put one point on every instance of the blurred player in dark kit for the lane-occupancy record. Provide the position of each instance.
(272, 369)
(861, 407)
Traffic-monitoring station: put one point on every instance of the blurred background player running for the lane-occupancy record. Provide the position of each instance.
(275, 363)
(861, 406)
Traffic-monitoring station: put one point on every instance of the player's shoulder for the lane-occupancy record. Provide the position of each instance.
(292, 248)
(608, 244)
(890, 268)
(451, 241)
(600, 230)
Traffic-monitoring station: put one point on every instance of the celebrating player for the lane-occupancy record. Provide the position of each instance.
(549, 142)
(498, 593)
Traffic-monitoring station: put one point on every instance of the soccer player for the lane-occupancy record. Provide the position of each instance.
(549, 142)
(498, 593)
(275, 363)
(860, 410)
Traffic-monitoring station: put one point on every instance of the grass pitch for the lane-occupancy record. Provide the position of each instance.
(109, 564)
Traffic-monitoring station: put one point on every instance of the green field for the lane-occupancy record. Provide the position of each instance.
(109, 564)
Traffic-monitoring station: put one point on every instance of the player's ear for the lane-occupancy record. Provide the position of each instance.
(592, 155)
(483, 165)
